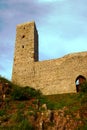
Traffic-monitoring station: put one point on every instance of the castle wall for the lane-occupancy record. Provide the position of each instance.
(50, 76)
(58, 76)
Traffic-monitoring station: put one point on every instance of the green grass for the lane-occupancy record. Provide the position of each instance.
(20, 107)
(61, 100)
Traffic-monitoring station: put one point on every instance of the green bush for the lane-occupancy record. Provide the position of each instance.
(4, 80)
(2, 112)
(84, 127)
(20, 93)
(18, 117)
(21, 105)
(84, 87)
(31, 92)
(25, 125)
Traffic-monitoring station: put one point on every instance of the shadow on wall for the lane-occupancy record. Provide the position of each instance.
(79, 80)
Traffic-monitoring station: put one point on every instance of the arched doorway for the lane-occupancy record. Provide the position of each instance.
(79, 80)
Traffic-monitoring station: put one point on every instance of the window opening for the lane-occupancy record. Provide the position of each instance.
(23, 36)
(79, 80)
(22, 46)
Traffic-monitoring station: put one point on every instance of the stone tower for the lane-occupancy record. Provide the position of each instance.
(26, 53)
(50, 76)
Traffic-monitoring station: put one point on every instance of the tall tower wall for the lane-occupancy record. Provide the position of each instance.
(26, 53)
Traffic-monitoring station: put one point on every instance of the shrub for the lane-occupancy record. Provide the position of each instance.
(4, 80)
(84, 127)
(17, 93)
(31, 92)
(21, 105)
(20, 93)
(19, 116)
(25, 125)
(2, 112)
(84, 87)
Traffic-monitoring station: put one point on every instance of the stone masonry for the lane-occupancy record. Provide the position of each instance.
(50, 76)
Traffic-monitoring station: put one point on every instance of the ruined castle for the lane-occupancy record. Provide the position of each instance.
(50, 76)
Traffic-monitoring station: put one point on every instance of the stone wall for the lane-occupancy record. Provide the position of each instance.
(50, 76)
(58, 76)
(26, 53)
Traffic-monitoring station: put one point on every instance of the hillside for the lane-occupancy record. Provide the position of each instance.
(27, 109)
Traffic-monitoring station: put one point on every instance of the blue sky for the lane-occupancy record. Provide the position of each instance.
(61, 24)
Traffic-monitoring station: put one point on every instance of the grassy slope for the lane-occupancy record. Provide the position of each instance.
(75, 103)
(13, 112)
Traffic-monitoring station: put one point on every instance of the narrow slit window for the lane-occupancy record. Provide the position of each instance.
(23, 36)
(22, 46)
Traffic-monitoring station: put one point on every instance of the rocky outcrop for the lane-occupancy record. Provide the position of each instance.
(4, 87)
(57, 120)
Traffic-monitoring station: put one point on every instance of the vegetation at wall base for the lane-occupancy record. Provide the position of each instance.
(84, 87)
(24, 93)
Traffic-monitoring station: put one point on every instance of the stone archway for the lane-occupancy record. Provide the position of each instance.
(79, 80)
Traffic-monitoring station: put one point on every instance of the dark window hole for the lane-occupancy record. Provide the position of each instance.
(22, 46)
(23, 36)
